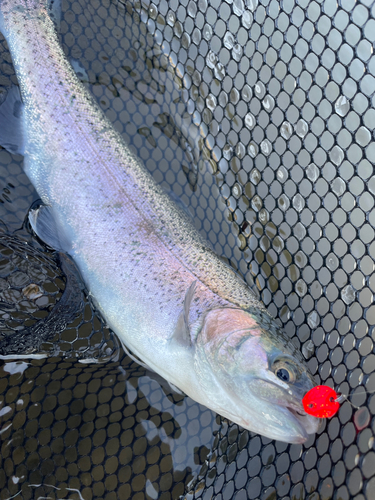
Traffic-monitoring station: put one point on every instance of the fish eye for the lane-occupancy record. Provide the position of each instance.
(284, 371)
(283, 374)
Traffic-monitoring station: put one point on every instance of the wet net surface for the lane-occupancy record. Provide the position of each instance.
(42, 306)
(259, 117)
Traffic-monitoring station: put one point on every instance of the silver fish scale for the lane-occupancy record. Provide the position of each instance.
(287, 128)
(173, 241)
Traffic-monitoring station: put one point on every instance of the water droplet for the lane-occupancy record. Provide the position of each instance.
(263, 216)
(266, 147)
(231, 203)
(301, 259)
(223, 99)
(234, 96)
(229, 40)
(192, 9)
(197, 37)
(238, 7)
(247, 93)
(286, 130)
(301, 288)
(337, 155)
(247, 19)
(298, 202)
(219, 71)
(255, 176)
(283, 202)
(308, 349)
(313, 319)
(256, 203)
(362, 418)
(252, 4)
(171, 18)
(332, 262)
(237, 52)
(211, 59)
(278, 244)
(178, 29)
(363, 136)
(240, 150)
(338, 186)
(185, 40)
(227, 152)
(207, 32)
(197, 80)
(153, 11)
(348, 294)
(342, 105)
(253, 149)
(260, 90)
(268, 103)
(301, 128)
(250, 121)
(211, 102)
(312, 172)
(236, 190)
(282, 174)
(299, 231)
(241, 241)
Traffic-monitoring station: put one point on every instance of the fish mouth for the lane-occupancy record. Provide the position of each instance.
(296, 425)
(302, 425)
(308, 423)
(296, 412)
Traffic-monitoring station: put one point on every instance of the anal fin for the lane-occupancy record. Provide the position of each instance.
(43, 223)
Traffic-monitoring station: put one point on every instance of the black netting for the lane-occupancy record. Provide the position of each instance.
(42, 307)
(259, 117)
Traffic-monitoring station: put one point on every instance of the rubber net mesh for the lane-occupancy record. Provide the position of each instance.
(259, 117)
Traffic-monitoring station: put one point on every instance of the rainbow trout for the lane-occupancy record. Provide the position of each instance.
(155, 280)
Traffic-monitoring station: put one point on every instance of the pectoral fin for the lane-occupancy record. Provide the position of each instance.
(182, 334)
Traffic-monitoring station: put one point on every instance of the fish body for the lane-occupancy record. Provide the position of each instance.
(154, 278)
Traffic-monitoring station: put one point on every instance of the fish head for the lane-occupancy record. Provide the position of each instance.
(253, 375)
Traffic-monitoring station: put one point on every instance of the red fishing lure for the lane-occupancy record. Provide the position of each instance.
(321, 401)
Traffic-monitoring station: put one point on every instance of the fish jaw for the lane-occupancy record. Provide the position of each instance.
(281, 423)
(236, 360)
